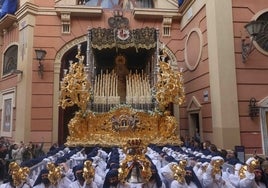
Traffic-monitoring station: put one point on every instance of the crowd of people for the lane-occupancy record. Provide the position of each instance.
(194, 165)
(18, 152)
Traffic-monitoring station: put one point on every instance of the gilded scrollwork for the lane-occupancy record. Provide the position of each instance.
(169, 87)
(75, 87)
(114, 128)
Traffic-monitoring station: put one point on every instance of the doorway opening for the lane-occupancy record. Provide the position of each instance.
(194, 129)
(195, 120)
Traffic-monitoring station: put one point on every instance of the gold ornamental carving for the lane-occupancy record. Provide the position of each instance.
(116, 127)
(169, 87)
(18, 174)
(135, 160)
(75, 87)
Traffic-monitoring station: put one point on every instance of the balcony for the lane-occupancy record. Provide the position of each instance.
(7, 21)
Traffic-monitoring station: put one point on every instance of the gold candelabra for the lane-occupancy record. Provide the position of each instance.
(88, 172)
(55, 173)
(19, 174)
(179, 171)
(169, 87)
(75, 87)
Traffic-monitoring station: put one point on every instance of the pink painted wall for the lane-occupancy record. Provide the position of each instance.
(252, 80)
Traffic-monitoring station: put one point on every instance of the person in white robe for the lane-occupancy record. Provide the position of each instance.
(10, 184)
(235, 178)
(248, 177)
(213, 175)
(166, 173)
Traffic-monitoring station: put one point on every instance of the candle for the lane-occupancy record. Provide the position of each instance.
(116, 83)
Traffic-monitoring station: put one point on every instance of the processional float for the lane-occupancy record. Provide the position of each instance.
(123, 121)
(121, 107)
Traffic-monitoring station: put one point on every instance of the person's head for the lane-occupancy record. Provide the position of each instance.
(230, 154)
(15, 146)
(258, 174)
(2, 139)
(264, 166)
(224, 153)
(189, 175)
(111, 178)
(206, 145)
(42, 178)
(78, 172)
(2, 148)
(213, 148)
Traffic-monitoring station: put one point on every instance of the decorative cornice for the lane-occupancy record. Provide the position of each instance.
(78, 10)
(27, 8)
(7, 21)
(145, 13)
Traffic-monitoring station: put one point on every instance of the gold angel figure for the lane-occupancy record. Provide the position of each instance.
(19, 175)
(88, 172)
(179, 171)
(216, 164)
(55, 173)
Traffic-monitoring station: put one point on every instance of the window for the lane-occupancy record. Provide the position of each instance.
(65, 28)
(10, 59)
(66, 23)
(7, 114)
(167, 26)
(102, 3)
(92, 3)
(109, 3)
(262, 39)
(144, 3)
(129, 4)
(166, 31)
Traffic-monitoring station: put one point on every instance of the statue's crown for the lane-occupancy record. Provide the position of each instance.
(135, 146)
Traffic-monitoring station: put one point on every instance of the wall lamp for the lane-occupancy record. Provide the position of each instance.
(253, 108)
(254, 29)
(40, 55)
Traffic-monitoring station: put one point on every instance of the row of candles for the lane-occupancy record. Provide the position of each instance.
(106, 87)
(137, 85)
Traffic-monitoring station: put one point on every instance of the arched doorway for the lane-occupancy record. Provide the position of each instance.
(60, 116)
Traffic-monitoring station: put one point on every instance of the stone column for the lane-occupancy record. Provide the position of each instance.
(24, 87)
(224, 102)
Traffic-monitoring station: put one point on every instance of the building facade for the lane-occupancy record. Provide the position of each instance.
(203, 38)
